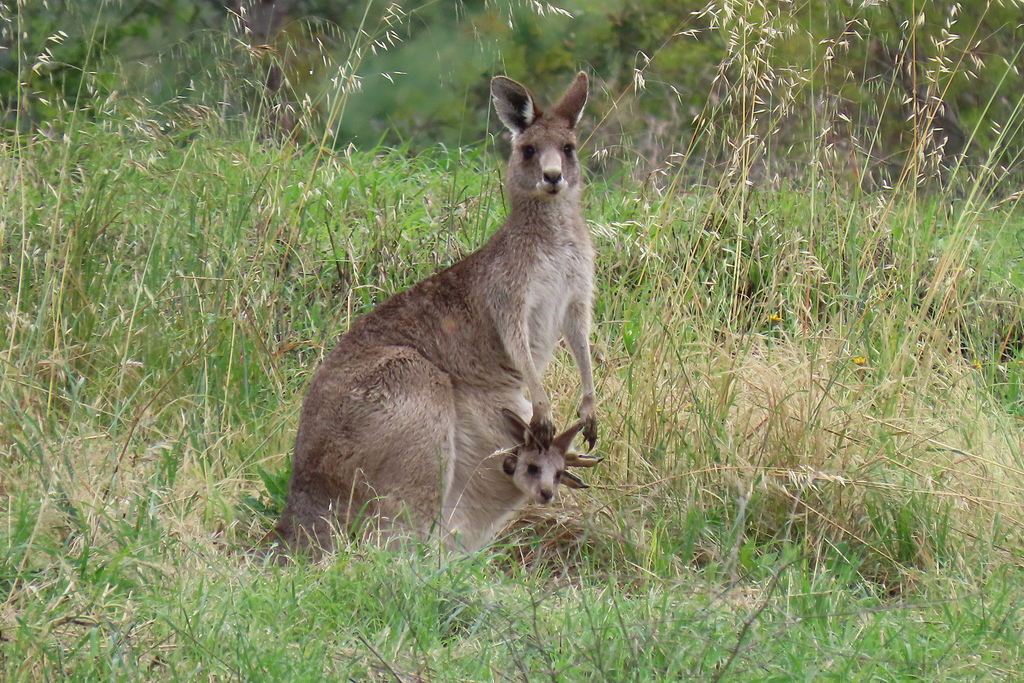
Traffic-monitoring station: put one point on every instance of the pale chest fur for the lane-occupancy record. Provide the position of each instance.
(564, 276)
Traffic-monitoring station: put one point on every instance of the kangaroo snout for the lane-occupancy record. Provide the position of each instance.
(551, 183)
(551, 172)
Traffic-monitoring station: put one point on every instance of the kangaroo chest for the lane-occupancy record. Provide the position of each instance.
(564, 276)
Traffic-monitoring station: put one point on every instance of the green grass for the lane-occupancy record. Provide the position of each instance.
(809, 403)
(170, 611)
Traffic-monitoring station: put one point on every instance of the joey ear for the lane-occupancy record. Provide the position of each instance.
(570, 107)
(562, 442)
(514, 104)
(517, 428)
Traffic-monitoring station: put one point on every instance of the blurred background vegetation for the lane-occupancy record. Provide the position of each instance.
(877, 92)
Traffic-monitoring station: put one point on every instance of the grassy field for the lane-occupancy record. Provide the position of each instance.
(810, 403)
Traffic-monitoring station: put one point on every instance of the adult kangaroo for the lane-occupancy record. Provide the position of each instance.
(412, 417)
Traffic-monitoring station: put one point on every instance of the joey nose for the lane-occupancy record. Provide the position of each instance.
(546, 495)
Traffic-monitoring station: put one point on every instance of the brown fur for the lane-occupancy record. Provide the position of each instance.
(403, 423)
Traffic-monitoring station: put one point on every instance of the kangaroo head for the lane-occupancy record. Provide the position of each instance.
(537, 471)
(543, 163)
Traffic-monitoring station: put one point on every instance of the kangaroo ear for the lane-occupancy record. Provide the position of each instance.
(517, 429)
(562, 442)
(514, 104)
(570, 107)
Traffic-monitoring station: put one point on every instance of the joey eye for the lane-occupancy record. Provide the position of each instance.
(532, 469)
(558, 476)
(569, 149)
(528, 152)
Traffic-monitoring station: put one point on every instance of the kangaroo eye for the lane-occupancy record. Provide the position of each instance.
(568, 149)
(533, 469)
(528, 152)
(558, 476)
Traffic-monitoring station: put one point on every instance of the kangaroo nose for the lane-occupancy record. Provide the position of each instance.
(546, 495)
(552, 175)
